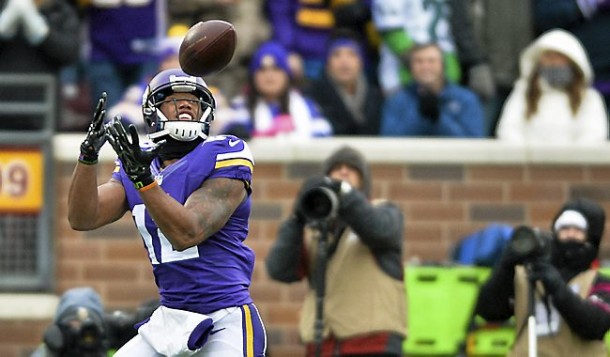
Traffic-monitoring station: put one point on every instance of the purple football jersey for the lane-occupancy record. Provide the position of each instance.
(216, 273)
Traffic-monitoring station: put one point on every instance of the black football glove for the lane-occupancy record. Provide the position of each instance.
(136, 162)
(549, 276)
(90, 147)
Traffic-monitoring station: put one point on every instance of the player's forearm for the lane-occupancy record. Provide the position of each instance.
(178, 224)
(82, 197)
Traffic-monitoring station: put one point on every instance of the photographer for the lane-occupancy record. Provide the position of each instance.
(361, 296)
(572, 300)
(78, 329)
(81, 327)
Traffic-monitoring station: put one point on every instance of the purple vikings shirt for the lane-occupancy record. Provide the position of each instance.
(216, 273)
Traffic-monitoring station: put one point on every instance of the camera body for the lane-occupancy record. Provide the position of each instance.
(79, 332)
(319, 204)
(529, 245)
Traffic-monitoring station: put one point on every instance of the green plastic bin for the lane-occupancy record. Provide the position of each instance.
(439, 306)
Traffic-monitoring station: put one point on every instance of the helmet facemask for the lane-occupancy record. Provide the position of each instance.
(161, 126)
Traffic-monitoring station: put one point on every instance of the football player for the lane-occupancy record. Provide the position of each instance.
(189, 195)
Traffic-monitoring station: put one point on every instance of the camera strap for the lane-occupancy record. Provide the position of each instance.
(319, 281)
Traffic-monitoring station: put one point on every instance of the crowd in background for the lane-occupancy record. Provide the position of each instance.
(519, 71)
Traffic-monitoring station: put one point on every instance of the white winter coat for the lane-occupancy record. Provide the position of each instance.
(554, 122)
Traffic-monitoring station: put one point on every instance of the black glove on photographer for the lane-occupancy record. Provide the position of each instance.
(510, 258)
(136, 162)
(550, 278)
(584, 317)
(90, 147)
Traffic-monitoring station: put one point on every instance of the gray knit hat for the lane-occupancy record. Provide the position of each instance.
(353, 158)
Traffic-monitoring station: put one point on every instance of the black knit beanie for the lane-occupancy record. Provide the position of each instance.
(353, 158)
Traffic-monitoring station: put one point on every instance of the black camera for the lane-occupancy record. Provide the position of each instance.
(319, 203)
(530, 244)
(79, 332)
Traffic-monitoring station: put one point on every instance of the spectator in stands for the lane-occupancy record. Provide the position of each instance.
(304, 27)
(504, 29)
(431, 105)
(572, 299)
(273, 107)
(589, 21)
(405, 23)
(129, 106)
(348, 100)
(553, 101)
(360, 261)
(122, 36)
(36, 37)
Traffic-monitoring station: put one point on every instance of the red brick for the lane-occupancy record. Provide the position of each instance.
(556, 173)
(125, 250)
(436, 212)
(495, 173)
(21, 332)
(285, 313)
(479, 192)
(415, 191)
(422, 232)
(599, 173)
(543, 211)
(264, 292)
(457, 231)
(131, 294)
(69, 271)
(80, 249)
(422, 252)
(388, 173)
(281, 190)
(115, 272)
(532, 192)
(266, 171)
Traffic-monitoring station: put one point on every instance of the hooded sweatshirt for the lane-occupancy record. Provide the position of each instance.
(553, 122)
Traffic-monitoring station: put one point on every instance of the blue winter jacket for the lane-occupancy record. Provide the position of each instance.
(461, 115)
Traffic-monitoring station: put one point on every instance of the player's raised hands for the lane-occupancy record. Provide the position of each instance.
(135, 160)
(90, 147)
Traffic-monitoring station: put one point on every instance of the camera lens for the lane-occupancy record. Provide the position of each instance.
(319, 203)
(524, 241)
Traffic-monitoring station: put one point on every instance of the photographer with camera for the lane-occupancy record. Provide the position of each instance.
(350, 251)
(81, 327)
(551, 277)
(78, 329)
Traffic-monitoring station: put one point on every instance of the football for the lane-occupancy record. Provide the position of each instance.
(207, 47)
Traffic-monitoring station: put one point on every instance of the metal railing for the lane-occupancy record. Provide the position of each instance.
(28, 111)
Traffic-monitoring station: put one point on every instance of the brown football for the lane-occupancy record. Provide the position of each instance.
(207, 47)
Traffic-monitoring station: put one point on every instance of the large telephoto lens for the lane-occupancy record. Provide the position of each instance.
(319, 203)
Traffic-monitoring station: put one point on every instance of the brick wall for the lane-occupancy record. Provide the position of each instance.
(442, 201)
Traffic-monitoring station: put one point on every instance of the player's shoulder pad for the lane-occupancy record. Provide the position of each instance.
(230, 151)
